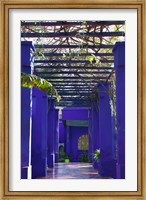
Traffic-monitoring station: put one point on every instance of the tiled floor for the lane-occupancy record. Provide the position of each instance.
(73, 171)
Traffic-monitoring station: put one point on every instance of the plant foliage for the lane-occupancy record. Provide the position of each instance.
(30, 81)
(96, 154)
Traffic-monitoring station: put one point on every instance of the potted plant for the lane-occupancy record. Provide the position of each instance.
(67, 158)
(96, 158)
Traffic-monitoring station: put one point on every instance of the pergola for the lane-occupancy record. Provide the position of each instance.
(74, 56)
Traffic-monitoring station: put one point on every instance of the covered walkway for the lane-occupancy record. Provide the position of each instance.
(73, 99)
(75, 170)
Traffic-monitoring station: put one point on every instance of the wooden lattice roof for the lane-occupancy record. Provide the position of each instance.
(74, 55)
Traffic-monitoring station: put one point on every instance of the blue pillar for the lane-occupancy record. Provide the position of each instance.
(51, 133)
(108, 164)
(26, 49)
(95, 129)
(39, 133)
(119, 64)
(90, 135)
(56, 135)
(67, 146)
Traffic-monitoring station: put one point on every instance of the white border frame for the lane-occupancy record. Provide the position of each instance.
(128, 184)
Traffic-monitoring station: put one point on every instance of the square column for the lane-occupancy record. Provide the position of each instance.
(67, 144)
(119, 64)
(39, 133)
(108, 164)
(95, 129)
(90, 135)
(26, 64)
(51, 133)
(56, 142)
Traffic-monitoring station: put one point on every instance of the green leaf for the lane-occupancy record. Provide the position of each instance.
(30, 80)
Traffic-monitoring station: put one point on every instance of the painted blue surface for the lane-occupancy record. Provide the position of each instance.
(108, 164)
(39, 133)
(75, 113)
(53, 134)
(119, 64)
(26, 49)
(61, 132)
(75, 133)
(95, 124)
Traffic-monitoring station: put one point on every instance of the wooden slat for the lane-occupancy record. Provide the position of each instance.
(71, 23)
(72, 67)
(73, 34)
(67, 54)
(102, 46)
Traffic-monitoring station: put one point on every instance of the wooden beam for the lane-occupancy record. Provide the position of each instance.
(47, 46)
(73, 67)
(74, 77)
(72, 72)
(73, 34)
(69, 23)
(67, 55)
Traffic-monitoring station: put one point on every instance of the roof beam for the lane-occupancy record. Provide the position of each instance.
(71, 23)
(73, 34)
(63, 46)
(73, 72)
(78, 82)
(75, 54)
(74, 77)
(72, 67)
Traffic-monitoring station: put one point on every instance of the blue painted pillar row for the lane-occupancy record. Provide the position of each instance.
(56, 135)
(39, 133)
(67, 141)
(90, 134)
(119, 64)
(95, 129)
(26, 65)
(108, 163)
(51, 136)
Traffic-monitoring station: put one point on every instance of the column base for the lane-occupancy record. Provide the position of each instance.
(108, 168)
(24, 172)
(120, 171)
(51, 160)
(39, 168)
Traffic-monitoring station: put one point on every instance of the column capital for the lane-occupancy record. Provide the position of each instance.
(118, 45)
(28, 43)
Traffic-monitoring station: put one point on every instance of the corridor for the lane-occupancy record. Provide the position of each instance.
(73, 170)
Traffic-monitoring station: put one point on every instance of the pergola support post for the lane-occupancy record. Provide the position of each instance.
(67, 146)
(26, 63)
(39, 133)
(51, 133)
(107, 161)
(56, 135)
(95, 130)
(119, 64)
(90, 135)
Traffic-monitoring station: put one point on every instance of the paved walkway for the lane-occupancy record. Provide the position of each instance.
(73, 171)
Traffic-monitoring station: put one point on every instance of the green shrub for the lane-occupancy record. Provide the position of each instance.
(84, 157)
(96, 154)
(63, 156)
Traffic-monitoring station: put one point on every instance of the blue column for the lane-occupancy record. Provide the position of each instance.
(90, 135)
(56, 134)
(39, 133)
(26, 49)
(119, 64)
(51, 134)
(95, 129)
(67, 147)
(108, 164)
